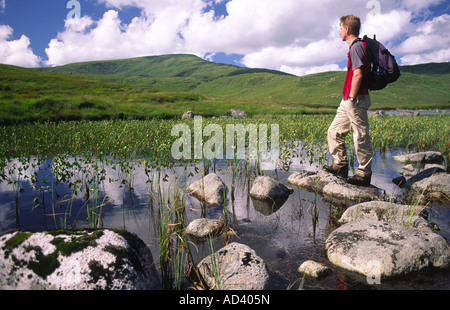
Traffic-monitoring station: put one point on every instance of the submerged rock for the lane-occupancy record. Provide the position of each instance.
(268, 206)
(267, 188)
(234, 267)
(76, 260)
(209, 189)
(314, 269)
(200, 229)
(421, 157)
(380, 249)
(335, 188)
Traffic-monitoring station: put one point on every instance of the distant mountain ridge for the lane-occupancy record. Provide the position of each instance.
(429, 68)
(420, 86)
(164, 66)
(186, 65)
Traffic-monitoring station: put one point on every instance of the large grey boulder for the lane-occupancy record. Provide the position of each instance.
(234, 267)
(421, 157)
(267, 188)
(210, 189)
(335, 188)
(375, 211)
(76, 260)
(384, 250)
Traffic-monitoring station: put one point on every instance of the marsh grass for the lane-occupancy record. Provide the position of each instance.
(152, 138)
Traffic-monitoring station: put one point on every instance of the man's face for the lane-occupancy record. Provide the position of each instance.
(344, 32)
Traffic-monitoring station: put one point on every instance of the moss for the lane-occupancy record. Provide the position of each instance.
(43, 265)
(98, 272)
(66, 248)
(121, 254)
(131, 238)
(14, 242)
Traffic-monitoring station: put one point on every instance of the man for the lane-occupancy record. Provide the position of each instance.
(352, 112)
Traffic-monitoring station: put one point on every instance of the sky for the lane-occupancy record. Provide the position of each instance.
(294, 36)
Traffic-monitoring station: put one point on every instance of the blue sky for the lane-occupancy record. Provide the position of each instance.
(295, 36)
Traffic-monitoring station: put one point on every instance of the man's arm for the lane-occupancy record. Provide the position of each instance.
(356, 82)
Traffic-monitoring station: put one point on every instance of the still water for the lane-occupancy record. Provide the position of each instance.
(51, 194)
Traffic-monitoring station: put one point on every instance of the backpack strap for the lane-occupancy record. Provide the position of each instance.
(353, 43)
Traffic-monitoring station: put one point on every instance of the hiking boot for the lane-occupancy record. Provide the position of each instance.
(359, 180)
(340, 171)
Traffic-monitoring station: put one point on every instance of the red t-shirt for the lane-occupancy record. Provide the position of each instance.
(355, 61)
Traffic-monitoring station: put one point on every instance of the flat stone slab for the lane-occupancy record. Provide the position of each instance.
(421, 157)
(234, 267)
(76, 260)
(384, 250)
(210, 189)
(375, 211)
(335, 188)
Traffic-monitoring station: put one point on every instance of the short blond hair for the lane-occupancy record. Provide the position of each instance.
(353, 23)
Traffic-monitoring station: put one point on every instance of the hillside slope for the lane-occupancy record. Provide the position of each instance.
(421, 86)
(36, 95)
(165, 66)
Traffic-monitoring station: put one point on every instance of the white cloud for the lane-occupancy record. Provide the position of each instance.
(300, 71)
(418, 5)
(84, 39)
(2, 6)
(387, 26)
(429, 42)
(157, 31)
(317, 55)
(16, 52)
(294, 36)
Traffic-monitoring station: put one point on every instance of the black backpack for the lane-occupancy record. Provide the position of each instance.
(383, 67)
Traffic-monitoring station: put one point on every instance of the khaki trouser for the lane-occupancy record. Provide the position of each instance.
(352, 116)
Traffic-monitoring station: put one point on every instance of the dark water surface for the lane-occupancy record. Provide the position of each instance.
(284, 238)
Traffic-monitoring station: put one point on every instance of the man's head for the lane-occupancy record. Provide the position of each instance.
(350, 26)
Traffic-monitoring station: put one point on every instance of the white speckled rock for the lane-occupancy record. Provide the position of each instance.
(76, 260)
(210, 189)
(237, 267)
(385, 250)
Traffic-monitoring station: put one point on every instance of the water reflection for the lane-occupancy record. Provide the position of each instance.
(58, 193)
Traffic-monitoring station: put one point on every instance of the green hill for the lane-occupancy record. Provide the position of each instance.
(430, 68)
(34, 95)
(421, 86)
(166, 86)
(160, 67)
